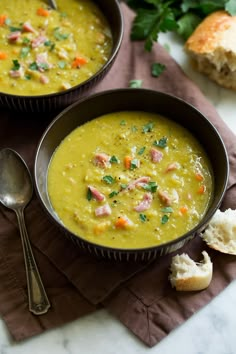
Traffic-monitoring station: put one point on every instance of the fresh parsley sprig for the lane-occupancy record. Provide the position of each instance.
(181, 16)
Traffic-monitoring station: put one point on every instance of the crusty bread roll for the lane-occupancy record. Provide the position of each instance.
(213, 48)
(220, 233)
(187, 275)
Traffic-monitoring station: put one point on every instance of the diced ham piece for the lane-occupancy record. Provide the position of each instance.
(102, 160)
(145, 203)
(38, 41)
(156, 155)
(41, 60)
(16, 73)
(14, 36)
(165, 198)
(103, 210)
(96, 194)
(139, 182)
(172, 166)
(44, 79)
(27, 27)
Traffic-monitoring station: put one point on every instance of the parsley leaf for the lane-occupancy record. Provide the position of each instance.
(135, 83)
(187, 24)
(134, 164)
(108, 179)
(162, 143)
(141, 151)
(113, 194)
(16, 65)
(157, 69)
(164, 219)
(59, 35)
(150, 186)
(122, 122)
(24, 52)
(89, 194)
(147, 128)
(167, 210)
(231, 7)
(114, 159)
(143, 217)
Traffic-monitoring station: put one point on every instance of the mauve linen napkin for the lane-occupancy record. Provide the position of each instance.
(140, 295)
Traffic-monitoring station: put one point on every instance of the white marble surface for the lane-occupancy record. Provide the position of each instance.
(210, 331)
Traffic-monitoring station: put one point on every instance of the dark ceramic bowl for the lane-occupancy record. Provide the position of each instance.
(123, 100)
(58, 101)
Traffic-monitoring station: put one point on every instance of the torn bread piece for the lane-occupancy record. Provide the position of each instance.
(187, 275)
(213, 48)
(220, 233)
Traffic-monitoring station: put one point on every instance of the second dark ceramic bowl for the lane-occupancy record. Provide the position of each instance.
(57, 101)
(123, 100)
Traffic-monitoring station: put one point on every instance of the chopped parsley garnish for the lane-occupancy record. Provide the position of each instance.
(122, 122)
(113, 194)
(33, 66)
(15, 29)
(141, 151)
(58, 35)
(143, 217)
(167, 210)
(24, 52)
(123, 185)
(63, 14)
(148, 127)
(114, 159)
(162, 143)
(135, 83)
(27, 77)
(16, 65)
(50, 44)
(134, 129)
(157, 69)
(26, 40)
(62, 64)
(164, 219)
(89, 194)
(108, 179)
(134, 164)
(151, 187)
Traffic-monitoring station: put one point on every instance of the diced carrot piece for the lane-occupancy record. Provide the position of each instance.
(127, 162)
(202, 189)
(2, 19)
(183, 209)
(78, 61)
(121, 223)
(3, 55)
(199, 177)
(43, 12)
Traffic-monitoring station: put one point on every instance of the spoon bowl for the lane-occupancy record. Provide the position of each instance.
(16, 190)
(16, 185)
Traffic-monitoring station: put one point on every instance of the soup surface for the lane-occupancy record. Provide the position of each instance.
(45, 51)
(130, 180)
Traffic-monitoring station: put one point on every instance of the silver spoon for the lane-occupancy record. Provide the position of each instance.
(53, 4)
(16, 191)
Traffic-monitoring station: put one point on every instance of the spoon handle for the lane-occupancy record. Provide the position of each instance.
(38, 300)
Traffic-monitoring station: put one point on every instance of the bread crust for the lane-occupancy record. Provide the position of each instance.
(209, 32)
(212, 47)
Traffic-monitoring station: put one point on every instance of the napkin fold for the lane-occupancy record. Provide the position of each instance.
(139, 294)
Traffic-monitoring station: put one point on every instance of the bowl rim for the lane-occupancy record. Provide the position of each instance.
(114, 53)
(197, 229)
